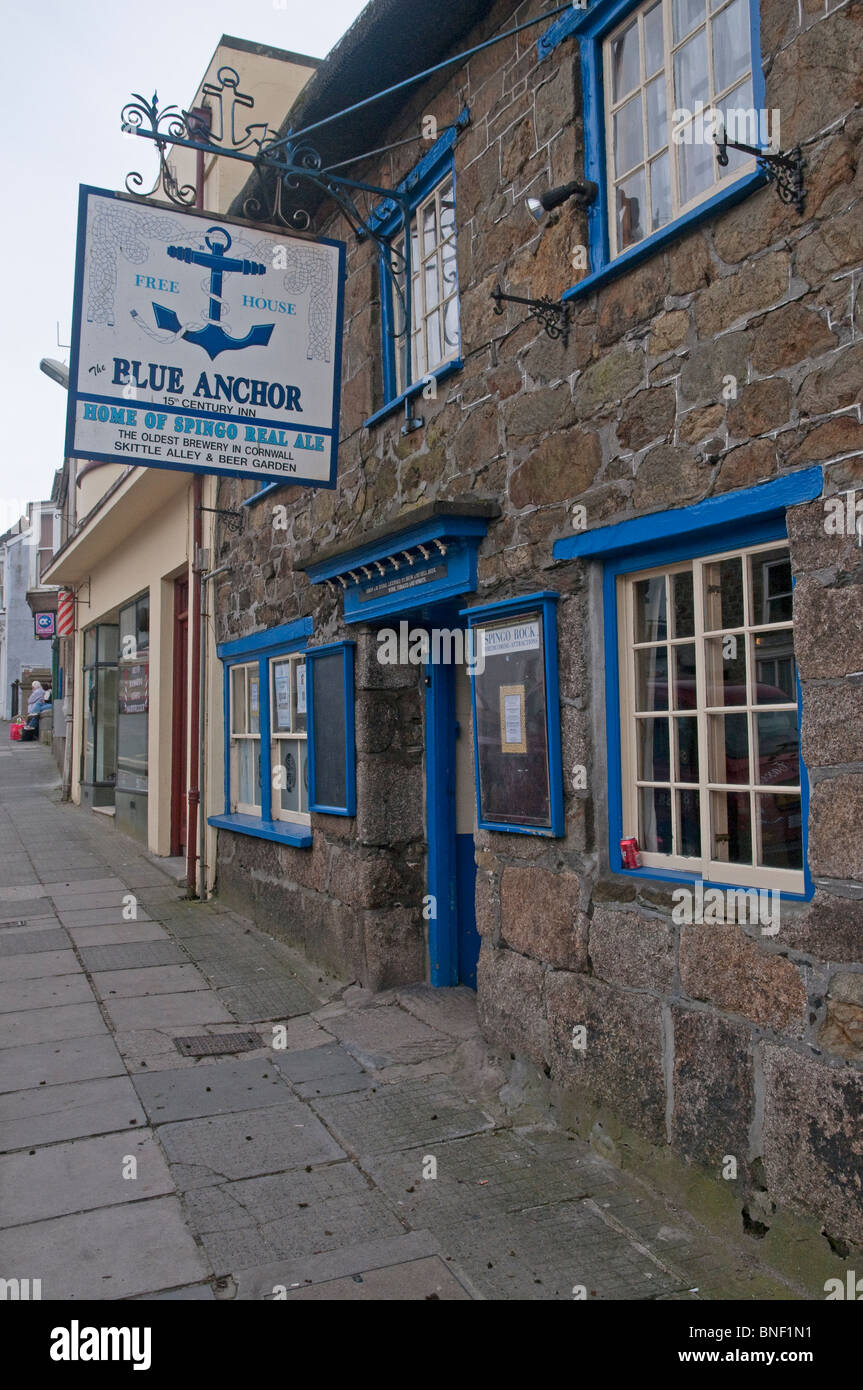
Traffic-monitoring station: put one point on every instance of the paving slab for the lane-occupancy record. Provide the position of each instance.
(260, 1282)
(378, 1037)
(49, 1114)
(153, 979)
(450, 1011)
(84, 887)
(243, 1145)
(420, 1279)
(120, 934)
(401, 1115)
(110, 1253)
(18, 925)
(45, 993)
(287, 1215)
(22, 894)
(24, 943)
(161, 1011)
(322, 1071)
(47, 1025)
(100, 916)
(132, 955)
(52, 1064)
(229, 1086)
(191, 1293)
(270, 999)
(39, 965)
(60, 1179)
(104, 899)
(31, 907)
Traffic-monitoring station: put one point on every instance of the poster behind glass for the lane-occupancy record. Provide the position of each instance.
(511, 721)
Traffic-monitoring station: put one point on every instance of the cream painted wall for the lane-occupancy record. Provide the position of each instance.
(274, 83)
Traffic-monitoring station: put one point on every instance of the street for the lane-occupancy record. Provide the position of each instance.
(363, 1147)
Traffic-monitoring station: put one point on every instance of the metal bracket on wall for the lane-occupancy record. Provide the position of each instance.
(552, 314)
(76, 600)
(233, 521)
(784, 168)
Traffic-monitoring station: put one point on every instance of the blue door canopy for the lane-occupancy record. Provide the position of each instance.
(422, 558)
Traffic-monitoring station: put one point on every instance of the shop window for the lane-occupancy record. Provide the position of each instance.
(133, 707)
(246, 739)
(288, 733)
(100, 709)
(331, 729)
(710, 743)
(516, 715)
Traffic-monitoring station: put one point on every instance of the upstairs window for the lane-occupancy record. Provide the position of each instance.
(666, 68)
(435, 336)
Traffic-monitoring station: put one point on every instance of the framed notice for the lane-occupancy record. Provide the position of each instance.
(204, 344)
(516, 716)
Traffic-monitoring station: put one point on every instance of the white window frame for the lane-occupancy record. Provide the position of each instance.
(710, 868)
(244, 735)
(422, 310)
(738, 163)
(294, 735)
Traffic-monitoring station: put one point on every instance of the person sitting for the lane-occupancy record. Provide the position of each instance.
(39, 699)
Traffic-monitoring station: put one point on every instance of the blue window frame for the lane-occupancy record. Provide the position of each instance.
(516, 715)
(608, 20)
(248, 663)
(332, 747)
(752, 517)
(436, 338)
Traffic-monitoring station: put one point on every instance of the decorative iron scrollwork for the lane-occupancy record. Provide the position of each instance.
(552, 314)
(784, 168)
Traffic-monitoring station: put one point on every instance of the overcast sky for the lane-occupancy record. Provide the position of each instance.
(69, 69)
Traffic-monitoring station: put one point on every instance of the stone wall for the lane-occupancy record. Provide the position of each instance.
(708, 1041)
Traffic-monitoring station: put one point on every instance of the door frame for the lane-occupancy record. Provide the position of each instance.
(179, 720)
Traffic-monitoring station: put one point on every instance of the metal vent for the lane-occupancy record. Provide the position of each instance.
(208, 1045)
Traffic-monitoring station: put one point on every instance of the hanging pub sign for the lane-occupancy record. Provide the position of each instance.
(44, 624)
(203, 344)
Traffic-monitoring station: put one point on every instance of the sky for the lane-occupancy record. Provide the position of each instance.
(70, 68)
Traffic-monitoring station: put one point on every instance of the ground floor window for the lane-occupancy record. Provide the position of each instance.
(99, 766)
(288, 734)
(245, 784)
(710, 741)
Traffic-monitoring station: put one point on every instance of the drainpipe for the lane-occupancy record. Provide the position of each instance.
(195, 609)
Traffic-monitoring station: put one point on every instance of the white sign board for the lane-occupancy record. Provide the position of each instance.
(521, 637)
(204, 345)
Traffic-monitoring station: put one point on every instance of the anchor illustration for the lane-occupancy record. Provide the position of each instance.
(212, 338)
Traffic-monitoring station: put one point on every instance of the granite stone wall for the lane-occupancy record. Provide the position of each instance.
(706, 1041)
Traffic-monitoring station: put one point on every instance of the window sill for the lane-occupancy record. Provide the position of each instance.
(725, 198)
(284, 832)
(439, 374)
(679, 878)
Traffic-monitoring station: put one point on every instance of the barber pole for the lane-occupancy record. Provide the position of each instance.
(65, 613)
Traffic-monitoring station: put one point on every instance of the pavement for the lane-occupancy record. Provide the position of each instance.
(351, 1147)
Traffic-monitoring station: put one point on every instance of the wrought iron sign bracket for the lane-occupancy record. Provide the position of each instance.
(784, 168)
(552, 314)
(233, 521)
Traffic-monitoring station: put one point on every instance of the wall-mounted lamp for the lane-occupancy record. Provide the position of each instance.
(582, 189)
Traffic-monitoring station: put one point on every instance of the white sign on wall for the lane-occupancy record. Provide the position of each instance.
(202, 344)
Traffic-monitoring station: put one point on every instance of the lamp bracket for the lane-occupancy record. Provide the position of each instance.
(784, 168)
(552, 314)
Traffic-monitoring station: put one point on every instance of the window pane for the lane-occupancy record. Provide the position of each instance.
(781, 827)
(451, 333)
(687, 13)
(657, 125)
(682, 604)
(106, 724)
(254, 700)
(689, 823)
(771, 587)
(90, 649)
(630, 211)
(691, 82)
(742, 123)
(731, 827)
(433, 340)
(728, 737)
(723, 594)
(651, 678)
(429, 225)
(628, 145)
(650, 616)
(300, 694)
(447, 210)
(653, 764)
(725, 665)
(448, 263)
(687, 749)
(624, 62)
(291, 755)
(281, 705)
(109, 641)
(731, 44)
(654, 54)
(777, 748)
(660, 192)
(696, 165)
(775, 668)
(685, 692)
(431, 282)
(654, 820)
(249, 766)
(238, 699)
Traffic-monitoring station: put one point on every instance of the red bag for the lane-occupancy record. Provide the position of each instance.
(15, 730)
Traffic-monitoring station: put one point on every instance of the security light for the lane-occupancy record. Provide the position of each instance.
(582, 189)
